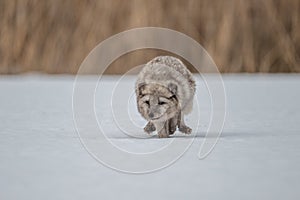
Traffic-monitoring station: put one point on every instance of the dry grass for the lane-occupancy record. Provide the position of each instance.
(54, 36)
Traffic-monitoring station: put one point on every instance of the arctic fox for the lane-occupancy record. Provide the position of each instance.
(165, 90)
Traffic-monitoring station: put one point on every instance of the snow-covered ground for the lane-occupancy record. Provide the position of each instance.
(257, 155)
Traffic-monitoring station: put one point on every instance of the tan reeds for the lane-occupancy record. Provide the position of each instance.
(241, 35)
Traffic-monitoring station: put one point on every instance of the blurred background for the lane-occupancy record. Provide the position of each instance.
(54, 36)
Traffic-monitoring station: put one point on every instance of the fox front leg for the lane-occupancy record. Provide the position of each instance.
(181, 125)
(163, 129)
(173, 123)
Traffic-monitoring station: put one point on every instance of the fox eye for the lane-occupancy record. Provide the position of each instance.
(147, 102)
(161, 103)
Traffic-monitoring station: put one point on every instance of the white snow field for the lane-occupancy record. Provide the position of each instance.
(256, 157)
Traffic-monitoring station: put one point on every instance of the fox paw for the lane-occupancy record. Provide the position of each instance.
(163, 135)
(149, 128)
(185, 129)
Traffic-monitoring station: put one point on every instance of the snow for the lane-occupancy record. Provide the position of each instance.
(256, 157)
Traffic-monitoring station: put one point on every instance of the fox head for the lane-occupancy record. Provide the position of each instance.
(157, 102)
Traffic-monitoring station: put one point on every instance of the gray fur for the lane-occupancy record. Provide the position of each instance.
(165, 90)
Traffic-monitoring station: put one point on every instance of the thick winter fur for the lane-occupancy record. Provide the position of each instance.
(165, 90)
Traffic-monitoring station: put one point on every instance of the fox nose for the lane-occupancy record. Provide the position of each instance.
(151, 115)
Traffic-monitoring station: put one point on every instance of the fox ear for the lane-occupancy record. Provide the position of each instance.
(173, 88)
(141, 87)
